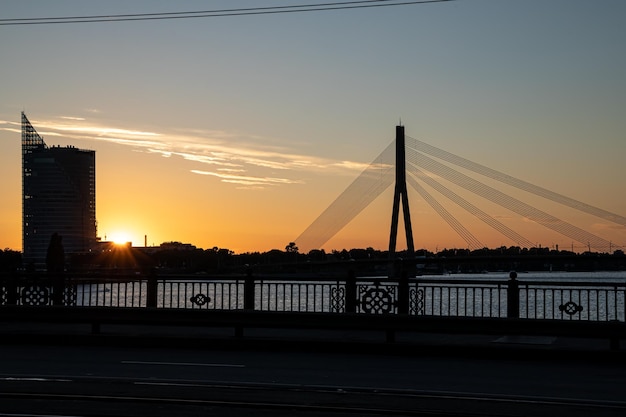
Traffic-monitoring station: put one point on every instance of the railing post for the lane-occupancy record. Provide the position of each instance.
(248, 291)
(403, 291)
(351, 297)
(152, 290)
(58, 287)
(615, 334)
(512, 296)
(12, 290)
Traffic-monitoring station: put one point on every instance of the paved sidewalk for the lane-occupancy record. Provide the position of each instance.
(312, 340)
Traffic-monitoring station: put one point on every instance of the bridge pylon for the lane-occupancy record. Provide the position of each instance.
(400, 193)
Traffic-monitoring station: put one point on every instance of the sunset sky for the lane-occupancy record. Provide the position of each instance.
(238, 131)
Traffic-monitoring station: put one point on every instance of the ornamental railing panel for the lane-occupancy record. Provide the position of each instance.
(435, 296)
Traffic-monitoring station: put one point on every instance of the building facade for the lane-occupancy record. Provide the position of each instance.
(58, 196)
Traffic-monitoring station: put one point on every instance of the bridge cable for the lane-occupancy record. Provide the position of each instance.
(461, 230)
(375, 179)
(469, 207)
(418, 145)
(520, 207)
(506, 201)
(455, 176)
(501, 198)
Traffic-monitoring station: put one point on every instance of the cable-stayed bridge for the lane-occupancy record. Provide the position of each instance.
(434, 174)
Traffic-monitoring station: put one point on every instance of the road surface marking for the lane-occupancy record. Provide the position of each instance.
(211, 365)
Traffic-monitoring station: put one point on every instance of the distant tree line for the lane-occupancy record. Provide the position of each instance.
(176, 257)
(10, 260)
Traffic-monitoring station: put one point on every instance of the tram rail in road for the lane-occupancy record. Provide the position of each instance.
(42, 396)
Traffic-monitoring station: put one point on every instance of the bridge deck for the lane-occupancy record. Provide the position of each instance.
(141, 325)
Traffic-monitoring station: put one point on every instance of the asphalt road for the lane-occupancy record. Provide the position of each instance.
(121, 381)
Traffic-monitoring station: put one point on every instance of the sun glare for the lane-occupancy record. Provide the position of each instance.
(119, 238)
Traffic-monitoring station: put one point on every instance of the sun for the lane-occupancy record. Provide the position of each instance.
(119, 238)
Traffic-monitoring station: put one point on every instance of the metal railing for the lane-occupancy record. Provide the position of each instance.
(575, 301)
(472, 298)
(528, 299)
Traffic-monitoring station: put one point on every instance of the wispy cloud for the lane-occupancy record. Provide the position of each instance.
(247, 161)
(247, 180)
(9, 126)
(360, 166)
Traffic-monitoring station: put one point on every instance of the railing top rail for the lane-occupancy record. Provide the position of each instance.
(582, 284)
(460, 282)
(612, 283)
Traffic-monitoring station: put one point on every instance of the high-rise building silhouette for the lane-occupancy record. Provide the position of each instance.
(58, 196)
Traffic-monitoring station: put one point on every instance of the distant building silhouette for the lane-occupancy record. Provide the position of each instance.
(58, 196)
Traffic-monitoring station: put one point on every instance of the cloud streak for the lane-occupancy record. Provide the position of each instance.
(247, 180)
(246, 161)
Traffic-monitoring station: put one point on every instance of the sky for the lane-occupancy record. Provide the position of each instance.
(238, 132)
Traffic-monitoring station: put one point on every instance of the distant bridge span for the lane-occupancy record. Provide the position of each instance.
(431, 166)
